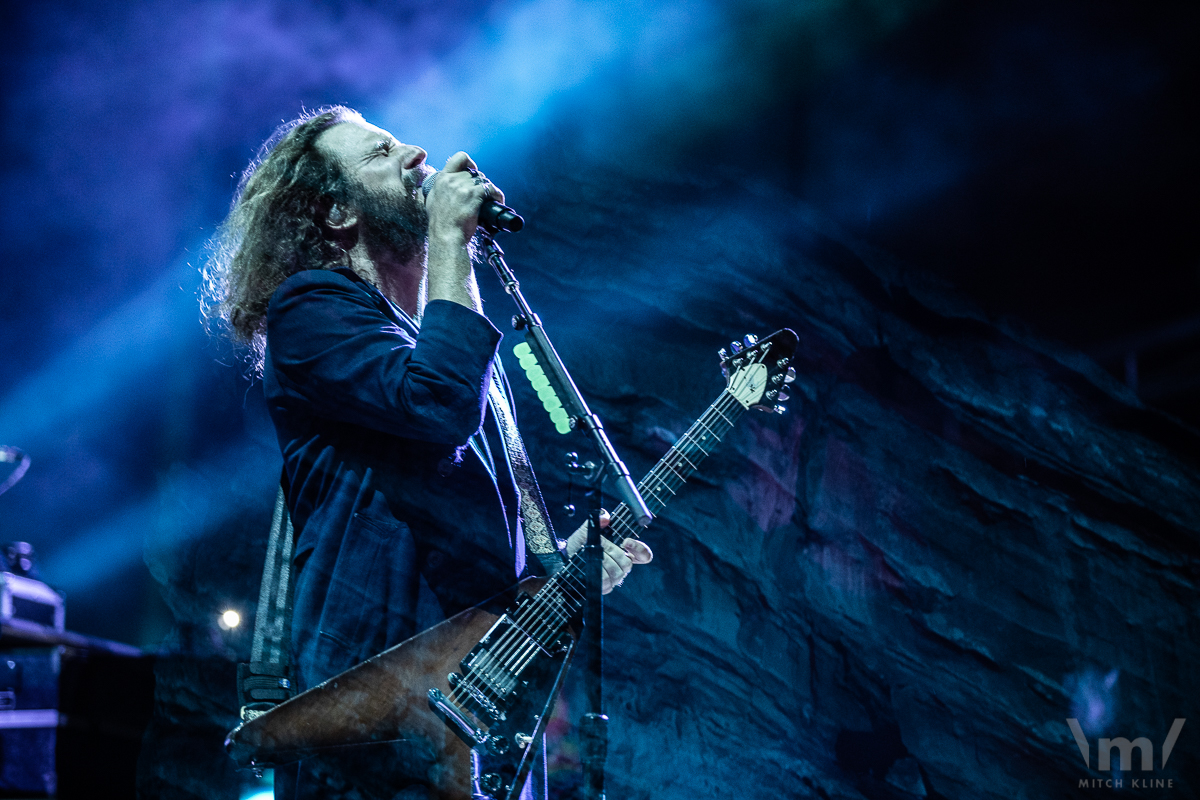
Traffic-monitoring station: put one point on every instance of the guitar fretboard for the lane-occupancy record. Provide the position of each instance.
(563, 595)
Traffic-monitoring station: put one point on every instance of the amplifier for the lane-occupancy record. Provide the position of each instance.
(30, 600)
(73, 720)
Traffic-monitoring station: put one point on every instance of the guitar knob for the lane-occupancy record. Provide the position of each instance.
(723, 354)
(492, 783)
(735, 347)
(790, 376)
(750, 340)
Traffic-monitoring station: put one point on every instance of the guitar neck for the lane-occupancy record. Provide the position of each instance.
(657, 488)
(679, 464)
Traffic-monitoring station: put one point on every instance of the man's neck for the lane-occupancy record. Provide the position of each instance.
(401, 282)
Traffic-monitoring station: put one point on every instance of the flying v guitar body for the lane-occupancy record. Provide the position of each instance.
(459, 748)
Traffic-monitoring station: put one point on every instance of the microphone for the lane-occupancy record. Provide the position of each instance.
(493, 216)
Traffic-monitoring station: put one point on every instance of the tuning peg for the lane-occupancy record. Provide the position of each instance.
(779, 409)
(772, 394)
(790, 376)
(723, 354)
(735, 347)
(784, 396)
(750, 340)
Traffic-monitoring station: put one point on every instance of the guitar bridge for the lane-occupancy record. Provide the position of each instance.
(481, 700)
(450, 712)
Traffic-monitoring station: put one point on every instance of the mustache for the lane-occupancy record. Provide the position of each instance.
(412, 179)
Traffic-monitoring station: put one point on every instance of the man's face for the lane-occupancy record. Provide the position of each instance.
(385, 183)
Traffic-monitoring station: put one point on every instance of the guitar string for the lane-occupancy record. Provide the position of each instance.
(534, 626)
(516, 649)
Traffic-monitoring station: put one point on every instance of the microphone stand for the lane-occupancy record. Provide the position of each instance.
(593, 727)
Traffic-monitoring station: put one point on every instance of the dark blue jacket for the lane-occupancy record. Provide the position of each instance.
(399, 517)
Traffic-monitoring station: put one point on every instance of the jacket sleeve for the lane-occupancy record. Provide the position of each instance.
(331, 346)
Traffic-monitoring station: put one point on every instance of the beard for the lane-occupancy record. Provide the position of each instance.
(395, 225)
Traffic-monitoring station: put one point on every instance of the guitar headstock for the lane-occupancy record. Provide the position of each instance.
(757, 370)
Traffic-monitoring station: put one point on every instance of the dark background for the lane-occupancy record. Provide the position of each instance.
(1037, 158)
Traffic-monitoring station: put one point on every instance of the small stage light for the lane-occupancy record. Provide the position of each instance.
(230, 620)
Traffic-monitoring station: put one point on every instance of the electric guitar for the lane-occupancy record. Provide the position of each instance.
(473, 693)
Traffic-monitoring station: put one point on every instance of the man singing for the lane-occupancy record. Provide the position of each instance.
(356, 294)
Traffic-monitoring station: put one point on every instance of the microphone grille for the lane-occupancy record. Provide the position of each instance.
(427, 184)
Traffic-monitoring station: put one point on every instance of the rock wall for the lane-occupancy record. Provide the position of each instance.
(956, 538)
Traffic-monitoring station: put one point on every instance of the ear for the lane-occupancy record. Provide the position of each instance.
(341, 218)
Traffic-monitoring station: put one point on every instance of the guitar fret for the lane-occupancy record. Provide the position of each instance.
(668, 466)
(700, 422)
(689, 463)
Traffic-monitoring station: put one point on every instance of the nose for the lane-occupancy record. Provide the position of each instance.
(412, 156)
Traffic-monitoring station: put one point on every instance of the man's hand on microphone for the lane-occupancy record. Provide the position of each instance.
(453, 207)
(457, 194)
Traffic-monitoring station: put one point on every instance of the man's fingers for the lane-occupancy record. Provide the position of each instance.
(618, 561)
(614, 572)
(617, 555)
(459, 162)
(638, 552)
(461, 167)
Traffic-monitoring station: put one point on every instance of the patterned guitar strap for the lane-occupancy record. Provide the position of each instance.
(535, 521)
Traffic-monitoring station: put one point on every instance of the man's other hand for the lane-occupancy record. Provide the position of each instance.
(617, 560)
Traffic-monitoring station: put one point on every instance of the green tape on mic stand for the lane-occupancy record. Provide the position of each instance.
(541, 385)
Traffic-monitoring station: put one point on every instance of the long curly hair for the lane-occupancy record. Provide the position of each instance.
(274, 229)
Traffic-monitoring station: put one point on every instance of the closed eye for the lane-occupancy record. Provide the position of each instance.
(382, 148)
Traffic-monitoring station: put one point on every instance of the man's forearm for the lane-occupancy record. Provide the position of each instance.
(451, 275)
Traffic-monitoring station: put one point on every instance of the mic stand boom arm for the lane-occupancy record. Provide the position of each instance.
(556, 372)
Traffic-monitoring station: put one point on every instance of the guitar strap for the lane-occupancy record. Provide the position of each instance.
(535, 520)
(267, 680)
